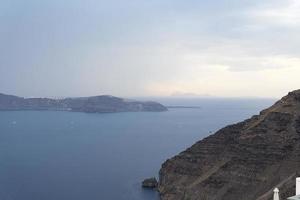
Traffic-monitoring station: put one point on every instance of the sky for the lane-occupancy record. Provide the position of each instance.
(228, 48)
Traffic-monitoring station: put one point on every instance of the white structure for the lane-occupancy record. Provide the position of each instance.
(298, 186)
(297, 197)
(276, 194)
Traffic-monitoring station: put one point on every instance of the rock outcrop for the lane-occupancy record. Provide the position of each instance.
(244, 161)
(150, 183)
(96, 104)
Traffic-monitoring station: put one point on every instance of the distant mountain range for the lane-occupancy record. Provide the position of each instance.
(94, 104)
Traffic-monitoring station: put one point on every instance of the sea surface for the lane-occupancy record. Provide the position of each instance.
(77, 156)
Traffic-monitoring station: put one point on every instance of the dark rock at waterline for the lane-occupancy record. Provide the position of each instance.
(150, 183)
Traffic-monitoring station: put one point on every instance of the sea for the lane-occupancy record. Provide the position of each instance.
(48, 155)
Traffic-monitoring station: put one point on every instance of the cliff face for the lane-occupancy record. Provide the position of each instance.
(96, 104)
(244, 161)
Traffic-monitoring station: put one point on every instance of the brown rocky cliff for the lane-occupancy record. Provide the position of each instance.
(243, 161)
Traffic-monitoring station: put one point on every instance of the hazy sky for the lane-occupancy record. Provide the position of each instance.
(149, 47)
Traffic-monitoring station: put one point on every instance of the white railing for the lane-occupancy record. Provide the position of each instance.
(276, 194)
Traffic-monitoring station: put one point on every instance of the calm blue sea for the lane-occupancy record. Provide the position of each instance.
(78, 156)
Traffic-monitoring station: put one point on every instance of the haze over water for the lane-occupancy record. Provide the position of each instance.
(63, 155)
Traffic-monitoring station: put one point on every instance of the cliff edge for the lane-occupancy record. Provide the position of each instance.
(244, 161)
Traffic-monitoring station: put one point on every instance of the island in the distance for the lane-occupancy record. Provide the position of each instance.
(94, 104)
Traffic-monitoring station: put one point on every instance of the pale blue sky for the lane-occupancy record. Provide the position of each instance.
(149, 47)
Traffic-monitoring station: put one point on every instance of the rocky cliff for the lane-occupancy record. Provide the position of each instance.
(244, 161)
(96, 104)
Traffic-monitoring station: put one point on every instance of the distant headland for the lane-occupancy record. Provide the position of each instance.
(94, 104)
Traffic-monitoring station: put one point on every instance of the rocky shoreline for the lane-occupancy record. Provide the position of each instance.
(150, 183)
(241, 161)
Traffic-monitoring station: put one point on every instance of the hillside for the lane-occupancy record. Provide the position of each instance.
(244, 161)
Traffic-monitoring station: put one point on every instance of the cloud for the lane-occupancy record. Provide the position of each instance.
(286, 14)
(141, 47)
(264, 63)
